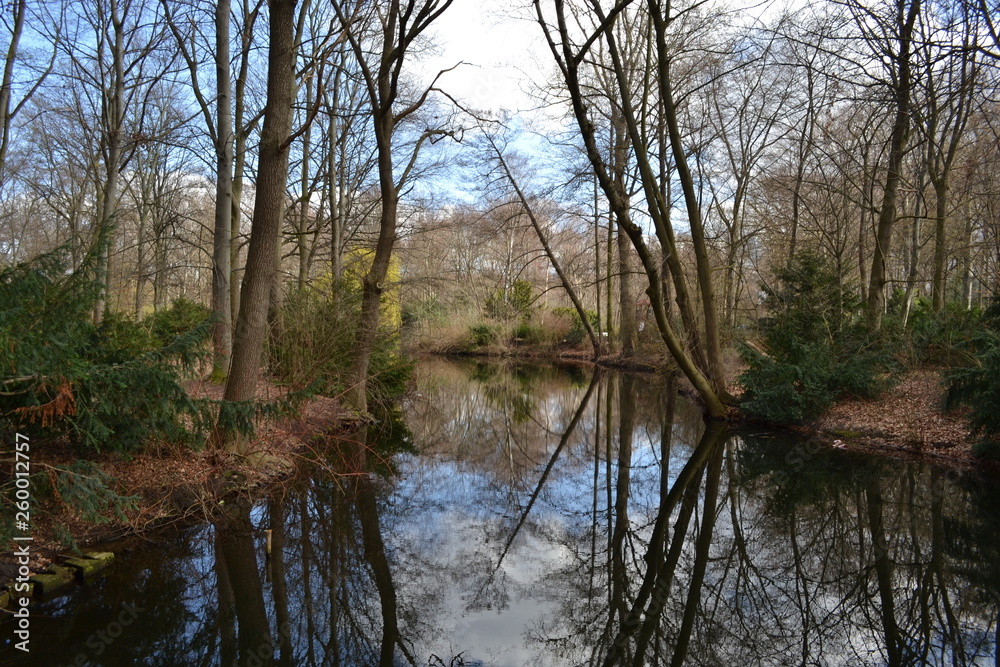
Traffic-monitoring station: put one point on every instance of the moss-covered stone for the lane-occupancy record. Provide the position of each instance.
(87, 568)
(106, 556)
(54, 579)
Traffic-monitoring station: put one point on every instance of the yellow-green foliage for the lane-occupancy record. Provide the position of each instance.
(357, 263)
(319, 326)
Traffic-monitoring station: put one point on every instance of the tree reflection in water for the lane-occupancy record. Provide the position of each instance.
(568, 518)
(729, 551)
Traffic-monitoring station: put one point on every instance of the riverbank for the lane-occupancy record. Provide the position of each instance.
(909, 419)
(170, 485)
(643, 362)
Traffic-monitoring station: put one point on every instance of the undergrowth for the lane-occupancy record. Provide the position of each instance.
(815, 347)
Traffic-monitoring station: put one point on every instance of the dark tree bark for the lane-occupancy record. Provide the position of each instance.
(269, 207)
(898, 55)
(236, 548)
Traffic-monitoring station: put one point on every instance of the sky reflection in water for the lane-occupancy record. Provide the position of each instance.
(554, 517)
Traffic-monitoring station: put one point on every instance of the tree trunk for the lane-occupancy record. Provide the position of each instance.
(372, 285)
(804, 144)
(140, 260)
(20, 9)
(375, 556)
(302, 226)
(269, 206)
(713, 348)
(897, 149)
(114, 115)
(160, 271)
(914, 258)
(239, 155)
(236, 548)
(940, 242)
(222, 338)
(397, 32)
(629, 330)
(569, 64)
(967, 264)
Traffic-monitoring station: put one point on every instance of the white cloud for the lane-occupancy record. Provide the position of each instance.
(502, 47)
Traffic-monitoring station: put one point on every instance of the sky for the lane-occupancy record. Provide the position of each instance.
(503, 49)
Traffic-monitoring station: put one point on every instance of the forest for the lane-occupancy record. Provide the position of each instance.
(785, 205)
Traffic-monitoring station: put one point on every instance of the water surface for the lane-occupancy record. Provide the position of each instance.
(527, 515)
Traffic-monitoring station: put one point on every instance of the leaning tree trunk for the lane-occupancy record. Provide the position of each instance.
(553, 259)
(569, 64)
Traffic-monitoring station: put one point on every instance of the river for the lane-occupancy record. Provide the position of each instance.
(538, 515)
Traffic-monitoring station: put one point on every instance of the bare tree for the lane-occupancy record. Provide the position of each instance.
(950, 72)
(395, 27)
(887, 30)
(570, 53)
(8, 109)
(567, 284)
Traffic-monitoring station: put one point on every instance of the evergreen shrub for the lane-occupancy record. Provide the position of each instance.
(483, 334)
(111, 386)
(815, 347)
(513, 302)
(976, 383)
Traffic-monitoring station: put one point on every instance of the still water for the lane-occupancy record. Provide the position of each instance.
(526, 515)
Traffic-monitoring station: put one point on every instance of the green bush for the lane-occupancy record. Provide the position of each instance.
(528, 334)
(788, 387)
(817, 349)
(483, 335)
(316, 345)
(119, 338)
(976, 384)
(182, 316)
(941, 338)
(510, 303)
(106, 387)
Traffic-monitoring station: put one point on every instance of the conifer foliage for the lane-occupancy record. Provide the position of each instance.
(976, 384)
(815, 347)
(114, 386)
